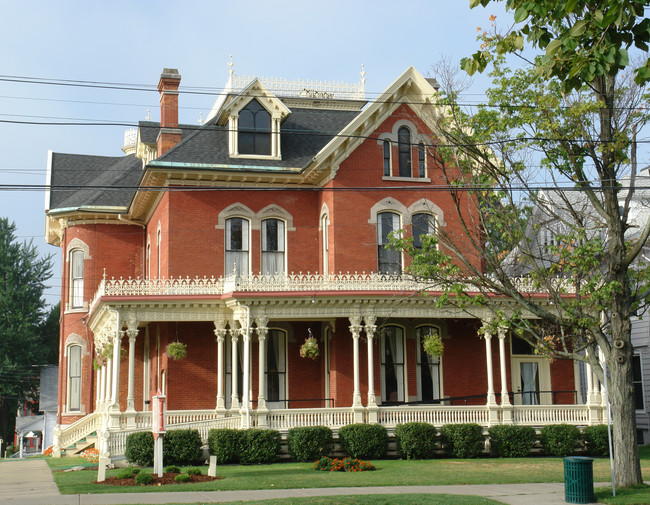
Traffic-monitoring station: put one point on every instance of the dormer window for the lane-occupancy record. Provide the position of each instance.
(254, 130)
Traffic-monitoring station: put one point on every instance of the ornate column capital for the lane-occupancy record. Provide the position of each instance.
(501, 332)
(262, 332)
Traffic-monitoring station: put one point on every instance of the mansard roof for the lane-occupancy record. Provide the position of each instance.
(303, 134)
(92, 181)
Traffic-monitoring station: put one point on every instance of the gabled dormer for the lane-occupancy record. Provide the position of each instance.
(253, 118)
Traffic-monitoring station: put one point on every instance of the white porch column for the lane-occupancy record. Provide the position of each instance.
(246, 335)
(370, 328)
(108, 373)
(132, 333)
(234, 397)
(114, 407)
(98, 388)
(262, 410)
(506, 407)
(355, 329)
(493, 412)
(102, 387)
(220, 332)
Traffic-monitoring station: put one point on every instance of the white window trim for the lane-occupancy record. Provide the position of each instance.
(382, 379)
(323, 227)
(643, 395)
(74, 340)
(284, 243)
(76, 244)
(544, 371)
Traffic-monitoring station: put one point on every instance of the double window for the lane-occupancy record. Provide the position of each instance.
(390, 260)
(272, 247)
(254, 129)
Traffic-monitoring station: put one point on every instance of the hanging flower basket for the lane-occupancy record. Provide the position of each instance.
(432, 344)
(310, 348)
(176, 350)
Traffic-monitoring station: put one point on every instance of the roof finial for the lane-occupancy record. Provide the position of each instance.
(363, 79)
(231, 65)
(201, 118)
(148, 116)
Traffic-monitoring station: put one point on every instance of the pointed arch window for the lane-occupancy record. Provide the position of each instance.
(389, 260)
(386, 148)
(422, 224)
(74, 378)
(404, 151)
(76, 279)
(254, 129)
(237, 246)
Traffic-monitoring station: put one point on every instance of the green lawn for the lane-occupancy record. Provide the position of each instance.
(380, 499)
(388, 473)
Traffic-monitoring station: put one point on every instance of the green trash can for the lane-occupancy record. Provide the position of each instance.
(579, 480)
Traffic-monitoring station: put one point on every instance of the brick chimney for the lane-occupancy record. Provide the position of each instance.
(170, 133)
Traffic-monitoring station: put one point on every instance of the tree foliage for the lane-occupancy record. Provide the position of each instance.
(557, 139)
(23, 340)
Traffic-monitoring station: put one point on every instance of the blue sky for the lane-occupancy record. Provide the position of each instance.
(132, 41)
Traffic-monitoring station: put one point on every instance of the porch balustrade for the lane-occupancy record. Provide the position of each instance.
(294, 283)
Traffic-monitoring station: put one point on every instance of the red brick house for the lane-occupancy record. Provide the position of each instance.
(244, 236)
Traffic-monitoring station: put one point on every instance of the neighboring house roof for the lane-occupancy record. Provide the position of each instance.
(49, 388)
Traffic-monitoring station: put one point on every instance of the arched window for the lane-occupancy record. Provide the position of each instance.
(324, 221)
(276, 369)
(421, 171)
(237, 246)
(76, 279)
(386, 158)
(389, 260)
(74, 378)
(428, 368)
(404, 150)
(392, 364)
(272, 247)
(422, 224)
(254, 129)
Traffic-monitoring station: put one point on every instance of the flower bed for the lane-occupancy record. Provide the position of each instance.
(343, 465)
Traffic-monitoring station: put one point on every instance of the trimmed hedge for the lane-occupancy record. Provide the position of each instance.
(143, 478)
(259, 446)
(595, 439)
(309, 443)
(463, 440)
(364, 441)
(416, 440)
(139, 448)
(182, 447)
(559, 439)
(224, 443)
(512, 441)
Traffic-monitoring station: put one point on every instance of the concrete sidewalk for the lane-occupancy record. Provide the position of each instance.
(30, 482)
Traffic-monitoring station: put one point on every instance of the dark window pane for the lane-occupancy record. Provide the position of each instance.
(421, 161)
(386, 158)
(254, 129)
(520, 346)
(236, 242)
(422, 224)
(404, 148)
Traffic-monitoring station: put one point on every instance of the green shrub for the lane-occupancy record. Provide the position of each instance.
(139, 448)
(182, 477)
(224, 443)
(463, 440)
(127, 473)
(595, 439)
(416, 440)
(259, 446)
(364, 441)
(172, 469)
(512, 441)
(308, 443)
(143, 478)
(559, 439)
(194, 471)
(182, 447)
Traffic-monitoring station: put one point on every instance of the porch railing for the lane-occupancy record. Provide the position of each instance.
(540, 415)
(437, 415)
(290, 418)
